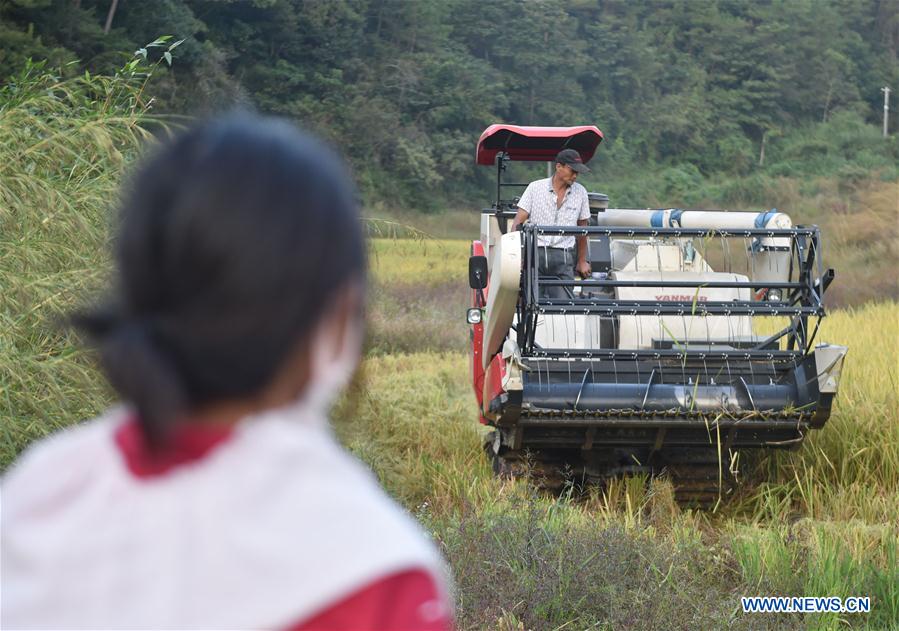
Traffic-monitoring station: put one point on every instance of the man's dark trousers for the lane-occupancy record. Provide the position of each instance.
(555, 263)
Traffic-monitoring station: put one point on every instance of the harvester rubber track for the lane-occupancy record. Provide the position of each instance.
(695, 482)
(702, 484)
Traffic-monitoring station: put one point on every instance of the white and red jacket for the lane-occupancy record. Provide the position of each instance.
(269, 524)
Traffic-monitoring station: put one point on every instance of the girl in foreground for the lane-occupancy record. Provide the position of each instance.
(218, 498)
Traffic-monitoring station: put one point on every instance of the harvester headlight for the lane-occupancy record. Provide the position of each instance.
(774, 295)
(474, 316)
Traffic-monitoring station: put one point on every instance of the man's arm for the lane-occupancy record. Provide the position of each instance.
(582, 267)
(520, 217)
(524, 203)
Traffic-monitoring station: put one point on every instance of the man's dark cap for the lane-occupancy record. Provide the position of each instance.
(573, 159)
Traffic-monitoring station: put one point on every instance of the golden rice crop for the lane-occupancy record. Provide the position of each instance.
(823, 521)
(423, 262)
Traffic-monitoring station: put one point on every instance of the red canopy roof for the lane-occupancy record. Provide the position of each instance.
(536, 143)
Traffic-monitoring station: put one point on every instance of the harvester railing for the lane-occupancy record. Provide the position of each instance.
(638, 307)
(800, 296)
(668, 354)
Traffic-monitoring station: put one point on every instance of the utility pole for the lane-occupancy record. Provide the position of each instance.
(886, 108)
(109, 16)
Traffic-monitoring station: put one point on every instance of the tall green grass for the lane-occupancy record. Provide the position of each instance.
(64, 147)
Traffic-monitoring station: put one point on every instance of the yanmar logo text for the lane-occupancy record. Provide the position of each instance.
(681, 298)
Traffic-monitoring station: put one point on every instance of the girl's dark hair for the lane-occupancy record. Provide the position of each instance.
(233, 240)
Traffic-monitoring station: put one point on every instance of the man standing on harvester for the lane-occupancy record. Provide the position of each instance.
(558, 201)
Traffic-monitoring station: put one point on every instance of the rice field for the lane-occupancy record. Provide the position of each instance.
(822, 522)
(818, 521)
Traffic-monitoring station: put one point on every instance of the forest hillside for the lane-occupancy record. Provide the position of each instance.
(711, 101)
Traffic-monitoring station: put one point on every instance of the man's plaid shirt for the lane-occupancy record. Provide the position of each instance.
(539, 200)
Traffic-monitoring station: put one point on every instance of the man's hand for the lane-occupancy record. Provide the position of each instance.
(583, 268)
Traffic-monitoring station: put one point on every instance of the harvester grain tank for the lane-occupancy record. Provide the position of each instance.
(692, 340)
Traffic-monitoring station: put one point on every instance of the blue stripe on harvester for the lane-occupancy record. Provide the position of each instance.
(656, 220)
(762, 218)
(760, 221)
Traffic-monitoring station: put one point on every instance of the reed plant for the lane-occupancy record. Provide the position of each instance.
(65, 143)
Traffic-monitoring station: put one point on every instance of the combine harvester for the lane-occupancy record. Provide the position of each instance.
(692, 340)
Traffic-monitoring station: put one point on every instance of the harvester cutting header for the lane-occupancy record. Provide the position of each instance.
(691, 336)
